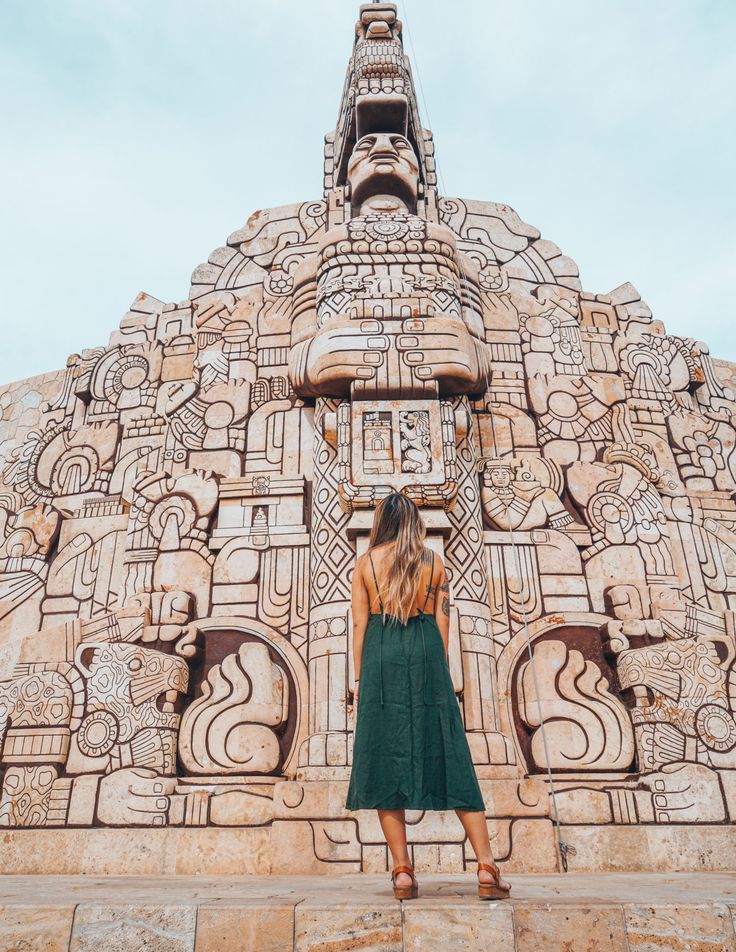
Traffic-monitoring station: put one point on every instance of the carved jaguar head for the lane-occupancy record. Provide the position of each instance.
(131, 674)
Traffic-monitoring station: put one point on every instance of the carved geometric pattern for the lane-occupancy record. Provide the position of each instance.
(181, 511)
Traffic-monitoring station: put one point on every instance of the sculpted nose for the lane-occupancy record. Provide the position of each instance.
(383, 145)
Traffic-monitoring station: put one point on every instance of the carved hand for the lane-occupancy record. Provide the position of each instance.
(134, 796)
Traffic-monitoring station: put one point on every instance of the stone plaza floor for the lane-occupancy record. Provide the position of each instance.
(637, 912)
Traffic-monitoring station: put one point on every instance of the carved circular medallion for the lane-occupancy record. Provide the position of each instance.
(97, 734)
(387, 228)
(564, 406)
(609, 509)
(219, 415)
(133, 375)
(716, 727)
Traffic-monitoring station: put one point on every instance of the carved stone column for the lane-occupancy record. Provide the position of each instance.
(468, 576)
(324, 755)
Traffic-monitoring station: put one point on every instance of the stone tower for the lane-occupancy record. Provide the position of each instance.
(180, 514)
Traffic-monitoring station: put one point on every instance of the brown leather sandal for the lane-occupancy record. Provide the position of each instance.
(492, 890)
(405, 892)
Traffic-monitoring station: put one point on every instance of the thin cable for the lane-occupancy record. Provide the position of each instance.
(440, 175)
(421, 91)
(562, 847)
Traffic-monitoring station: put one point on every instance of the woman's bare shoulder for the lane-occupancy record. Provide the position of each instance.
(378, 553)
(374, 555)
(429, 554)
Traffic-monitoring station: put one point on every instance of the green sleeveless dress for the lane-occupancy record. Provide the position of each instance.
(409, 746)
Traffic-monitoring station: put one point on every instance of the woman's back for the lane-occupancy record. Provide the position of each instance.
(382, 557)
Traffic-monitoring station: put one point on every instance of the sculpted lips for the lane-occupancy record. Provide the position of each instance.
(386, 156)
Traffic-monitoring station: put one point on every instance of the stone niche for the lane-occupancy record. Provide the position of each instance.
(181, 511)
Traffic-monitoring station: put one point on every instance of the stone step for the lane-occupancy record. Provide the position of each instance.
(609, 912)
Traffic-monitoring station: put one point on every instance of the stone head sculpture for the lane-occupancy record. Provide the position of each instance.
(497, 473)
(383, 174)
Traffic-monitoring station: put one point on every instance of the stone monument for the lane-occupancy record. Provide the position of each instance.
(181, 511)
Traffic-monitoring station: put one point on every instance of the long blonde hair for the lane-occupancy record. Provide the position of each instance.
(397, 519)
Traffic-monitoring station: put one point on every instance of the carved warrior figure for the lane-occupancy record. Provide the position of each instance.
(181, 512)
(523, 494)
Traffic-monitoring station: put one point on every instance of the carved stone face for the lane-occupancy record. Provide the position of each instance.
(500, 477)
(383, 166)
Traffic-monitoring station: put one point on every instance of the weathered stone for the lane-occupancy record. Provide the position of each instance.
(456, 927)
(224, 927)
(35, 928)
(181, 512)
(134, 927)
(261, 913)
(692, 929)
(320, 928)
(559, 928)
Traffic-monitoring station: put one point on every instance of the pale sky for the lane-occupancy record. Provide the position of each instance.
(138, 134)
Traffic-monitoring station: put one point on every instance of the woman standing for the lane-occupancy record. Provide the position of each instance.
(410, 751)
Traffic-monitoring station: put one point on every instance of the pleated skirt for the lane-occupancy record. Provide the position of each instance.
(409, 745)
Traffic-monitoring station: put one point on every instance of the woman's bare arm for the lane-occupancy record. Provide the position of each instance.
(360, 612)
(442, 606)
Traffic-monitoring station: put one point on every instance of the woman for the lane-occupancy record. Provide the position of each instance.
(410, 751)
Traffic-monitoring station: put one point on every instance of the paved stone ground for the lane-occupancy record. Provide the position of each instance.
(603, 912)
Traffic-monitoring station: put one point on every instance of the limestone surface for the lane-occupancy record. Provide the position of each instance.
(181, 511)
(560, 913)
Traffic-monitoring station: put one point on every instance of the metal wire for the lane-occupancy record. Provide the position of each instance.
(562, 848)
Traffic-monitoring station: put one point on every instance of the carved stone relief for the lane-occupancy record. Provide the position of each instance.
(181, 512)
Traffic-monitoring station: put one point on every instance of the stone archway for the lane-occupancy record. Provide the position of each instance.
(573, 689)
(249, 713)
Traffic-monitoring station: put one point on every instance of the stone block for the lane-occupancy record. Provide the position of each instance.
(562, 928)
(226, 927)
(655, 848)
(318, 928)
(137, 852)
(690, 928)
(35, 928)
(455, 927)
(133, 928)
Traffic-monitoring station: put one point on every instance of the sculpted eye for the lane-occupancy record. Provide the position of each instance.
(135, 664)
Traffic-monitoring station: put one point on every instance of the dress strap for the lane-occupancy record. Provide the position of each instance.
(380, 601)
(429, 586)
(383, 624)
(422, 616)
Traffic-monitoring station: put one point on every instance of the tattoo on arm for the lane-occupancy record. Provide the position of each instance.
(445, 588)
